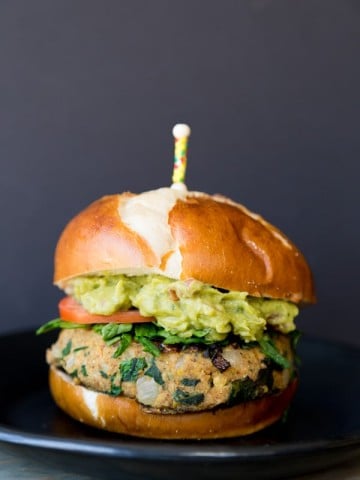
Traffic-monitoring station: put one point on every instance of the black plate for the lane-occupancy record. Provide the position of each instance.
(322, 428)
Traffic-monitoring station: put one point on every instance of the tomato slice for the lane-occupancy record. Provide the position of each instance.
(71, 311)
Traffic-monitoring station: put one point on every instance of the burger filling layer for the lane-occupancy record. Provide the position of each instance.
(193, 346)
(185, 308)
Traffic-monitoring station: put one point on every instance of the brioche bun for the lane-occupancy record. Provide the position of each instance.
(184, 235)
(125, 415)
(181, 235)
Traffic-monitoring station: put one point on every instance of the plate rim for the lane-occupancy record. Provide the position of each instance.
(149, 449)
(146, 451)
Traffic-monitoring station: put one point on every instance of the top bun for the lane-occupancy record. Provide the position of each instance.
(183, 235)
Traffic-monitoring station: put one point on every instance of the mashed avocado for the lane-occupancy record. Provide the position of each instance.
(185, 308)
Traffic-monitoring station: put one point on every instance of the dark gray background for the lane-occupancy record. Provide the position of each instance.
(89, 91)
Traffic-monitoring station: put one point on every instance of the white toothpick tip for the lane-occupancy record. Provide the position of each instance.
(179, 186)
(181, 130)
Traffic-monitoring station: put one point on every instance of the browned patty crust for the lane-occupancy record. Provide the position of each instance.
(178, 380)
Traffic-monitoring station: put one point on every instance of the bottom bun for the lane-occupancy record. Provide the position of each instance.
(125, 415)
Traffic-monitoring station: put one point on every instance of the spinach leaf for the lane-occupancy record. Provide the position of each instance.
(190, 382)
(67, 349)
(148, 346)
(269, 349)
(125, 340)
(115, 390)
(78, 349)
(109, 331)
(58, 323)
(243, 390)
(246, 389)
(144, 333)
(154, 372)
(186, 398)
(295, 336)
(148, 330)
(130, 369)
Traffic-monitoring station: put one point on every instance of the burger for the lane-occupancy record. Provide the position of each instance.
(177, 320)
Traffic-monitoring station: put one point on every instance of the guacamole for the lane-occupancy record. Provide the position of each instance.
(185, 308)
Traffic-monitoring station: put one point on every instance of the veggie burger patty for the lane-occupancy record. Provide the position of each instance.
(178, 379)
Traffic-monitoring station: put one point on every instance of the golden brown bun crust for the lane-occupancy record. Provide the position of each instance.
(126, 416)
(221, 244)
(224, 246)
(97, 240)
